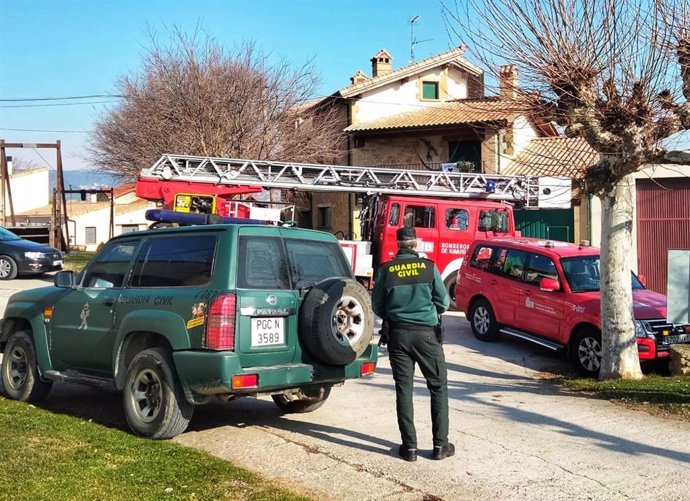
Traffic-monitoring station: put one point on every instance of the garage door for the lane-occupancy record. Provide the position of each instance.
(663, 223)
(550, 224)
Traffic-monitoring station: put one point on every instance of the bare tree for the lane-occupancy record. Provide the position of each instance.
(615, 72)
(194, 97)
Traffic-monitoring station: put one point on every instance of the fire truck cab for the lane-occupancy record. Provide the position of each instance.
(445, 227)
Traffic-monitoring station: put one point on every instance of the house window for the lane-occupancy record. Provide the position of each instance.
(430, 91)
(467, 155)
(324, 216)
(129, 228)
(90, 234)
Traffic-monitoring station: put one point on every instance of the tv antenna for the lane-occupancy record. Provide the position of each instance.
(413, 40)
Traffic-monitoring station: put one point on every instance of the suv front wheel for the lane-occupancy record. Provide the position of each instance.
(585, 351)
(20, 377)
(155, 406)
(483, 321)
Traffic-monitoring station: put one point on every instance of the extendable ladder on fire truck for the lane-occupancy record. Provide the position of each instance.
(317, 177)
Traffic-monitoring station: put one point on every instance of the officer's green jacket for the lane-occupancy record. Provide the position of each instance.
(409, 290)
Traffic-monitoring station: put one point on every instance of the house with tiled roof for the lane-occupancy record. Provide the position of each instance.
(88, 221)
(437, 111)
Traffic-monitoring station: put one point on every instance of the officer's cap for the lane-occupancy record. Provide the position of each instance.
(405, 233)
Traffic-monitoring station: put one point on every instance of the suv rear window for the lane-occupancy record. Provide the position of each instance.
(263, 263)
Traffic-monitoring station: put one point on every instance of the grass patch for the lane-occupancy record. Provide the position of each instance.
(57, 457)
(668, 396)
(76, 260)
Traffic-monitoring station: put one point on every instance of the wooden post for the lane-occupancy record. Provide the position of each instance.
(63, 201)
(3, 171)
(112, 212)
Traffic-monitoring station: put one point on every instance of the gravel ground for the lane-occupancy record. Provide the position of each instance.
(517, 436)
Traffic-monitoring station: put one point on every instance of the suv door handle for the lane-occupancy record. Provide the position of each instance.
(109, 303)
(492, 282)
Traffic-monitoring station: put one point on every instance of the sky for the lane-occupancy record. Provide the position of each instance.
(68, 48)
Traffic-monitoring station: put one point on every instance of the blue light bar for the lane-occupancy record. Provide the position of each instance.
(195, 218)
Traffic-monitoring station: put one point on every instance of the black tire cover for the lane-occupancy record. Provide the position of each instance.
(336, 321)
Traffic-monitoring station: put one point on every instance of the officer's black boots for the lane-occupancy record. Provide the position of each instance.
(444, 451)
(407, 453)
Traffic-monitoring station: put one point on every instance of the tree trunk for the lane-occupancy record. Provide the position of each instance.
(619, 349)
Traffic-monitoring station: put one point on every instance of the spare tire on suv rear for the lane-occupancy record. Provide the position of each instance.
(336, 321)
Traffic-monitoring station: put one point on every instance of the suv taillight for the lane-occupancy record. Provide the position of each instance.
(220, 328)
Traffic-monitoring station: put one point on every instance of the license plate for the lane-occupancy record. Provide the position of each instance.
(57, 263)
(680, 338)
(268, 331)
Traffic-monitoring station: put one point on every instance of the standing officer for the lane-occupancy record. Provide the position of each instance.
(409, 295)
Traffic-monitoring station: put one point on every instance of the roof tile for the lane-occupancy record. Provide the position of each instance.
(457, 112)
(554, 156)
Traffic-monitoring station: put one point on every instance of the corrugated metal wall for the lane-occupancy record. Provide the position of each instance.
(663, 223)
(552, 224)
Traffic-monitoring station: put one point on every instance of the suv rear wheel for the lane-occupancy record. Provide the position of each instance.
(305, 400)
(585, 351)
(155, 406)
(20, 377)
(483, 321)
(336, 321)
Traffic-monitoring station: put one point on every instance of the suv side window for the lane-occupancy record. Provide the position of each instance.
(482, 257)
(540, 267)
(314, 261)
(175, 261)
(457, 219)
(262, 264)
(510, 263)
(108, 268)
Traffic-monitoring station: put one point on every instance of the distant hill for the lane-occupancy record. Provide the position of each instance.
(86, 179)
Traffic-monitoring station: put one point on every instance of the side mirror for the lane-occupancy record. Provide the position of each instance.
(64, 279)
(642, 279)
(549, 285)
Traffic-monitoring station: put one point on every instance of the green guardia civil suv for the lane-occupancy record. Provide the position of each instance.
(174, 317)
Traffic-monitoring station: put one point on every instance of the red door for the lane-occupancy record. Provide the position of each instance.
(663, 223)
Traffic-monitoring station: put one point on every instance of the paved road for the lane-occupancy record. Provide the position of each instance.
(517, 435)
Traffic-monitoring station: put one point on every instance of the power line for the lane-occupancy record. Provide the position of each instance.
(91, 96)
(47, 130)
(52, 104)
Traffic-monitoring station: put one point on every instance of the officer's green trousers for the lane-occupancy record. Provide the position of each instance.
(408, 346)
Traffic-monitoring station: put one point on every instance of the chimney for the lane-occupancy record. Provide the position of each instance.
(359, 78)
(381, 64)
(508, 81)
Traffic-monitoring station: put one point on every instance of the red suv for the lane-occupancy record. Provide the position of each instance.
(548, 293)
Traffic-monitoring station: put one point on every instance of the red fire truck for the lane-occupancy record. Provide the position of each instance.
(447, 209)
